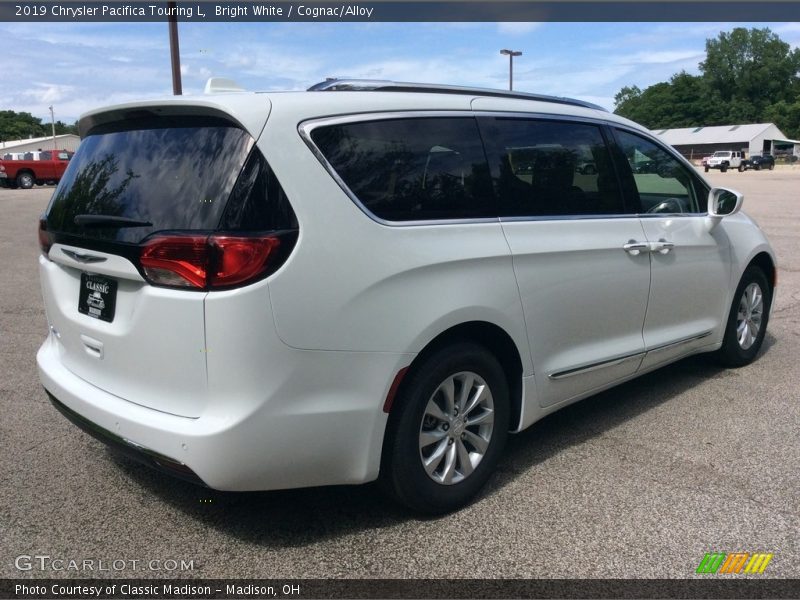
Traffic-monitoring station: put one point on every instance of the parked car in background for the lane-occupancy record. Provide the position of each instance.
(376, 280)
(724, 160)
(761, 161)
(47, 168)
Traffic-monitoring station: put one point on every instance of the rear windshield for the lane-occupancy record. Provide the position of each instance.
(166, 174)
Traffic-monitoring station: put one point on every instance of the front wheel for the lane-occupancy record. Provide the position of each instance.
(771, 166)
(723, 168)
(449, 430)
(747, 320)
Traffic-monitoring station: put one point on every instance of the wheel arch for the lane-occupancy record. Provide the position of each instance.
(764, 261)
(26, 171)
(492, 337)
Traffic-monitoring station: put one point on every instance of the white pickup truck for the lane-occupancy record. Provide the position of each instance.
(726, 159)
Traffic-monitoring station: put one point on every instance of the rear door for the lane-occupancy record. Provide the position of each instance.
(584, 295)
(128, 181)
(48, 168)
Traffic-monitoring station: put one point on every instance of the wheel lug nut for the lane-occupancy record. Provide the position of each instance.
(445, 427)
(450, 442)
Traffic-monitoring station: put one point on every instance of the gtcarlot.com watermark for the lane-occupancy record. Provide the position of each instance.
(45, 562)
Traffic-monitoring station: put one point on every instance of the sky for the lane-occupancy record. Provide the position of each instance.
(79, 66)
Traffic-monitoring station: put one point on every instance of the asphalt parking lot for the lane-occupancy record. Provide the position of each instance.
(638, 482)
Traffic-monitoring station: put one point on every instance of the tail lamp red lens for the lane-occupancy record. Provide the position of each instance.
(45, 237)
(208, 261)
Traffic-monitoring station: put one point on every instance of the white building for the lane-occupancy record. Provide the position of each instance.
(67, 141)
(758, 138)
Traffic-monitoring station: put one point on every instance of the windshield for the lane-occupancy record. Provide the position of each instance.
(725, 154)
(168, 174)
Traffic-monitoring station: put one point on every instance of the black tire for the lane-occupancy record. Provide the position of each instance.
(771, 166)
(403, 475)
(25, 180)
(723, 168)
(706, 169)
(733, 353)
(741, 168)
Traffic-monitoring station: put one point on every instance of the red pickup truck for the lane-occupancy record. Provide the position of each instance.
(25, 173)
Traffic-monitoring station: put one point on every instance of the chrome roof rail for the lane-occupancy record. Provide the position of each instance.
(380, 85)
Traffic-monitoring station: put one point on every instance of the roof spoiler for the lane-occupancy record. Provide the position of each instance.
(221, 85)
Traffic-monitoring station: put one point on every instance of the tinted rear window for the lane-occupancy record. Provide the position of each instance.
(176, 174)
(412, 169)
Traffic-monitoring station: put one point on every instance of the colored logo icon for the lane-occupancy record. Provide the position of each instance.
(736, 562)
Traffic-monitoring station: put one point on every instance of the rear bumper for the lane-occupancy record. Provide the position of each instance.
(324, 427)
(128, 448)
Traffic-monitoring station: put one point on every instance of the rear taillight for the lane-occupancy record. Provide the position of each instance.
(45, 237)
(242, 259)
(210, 262)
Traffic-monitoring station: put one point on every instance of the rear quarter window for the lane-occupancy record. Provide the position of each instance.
(411, 169)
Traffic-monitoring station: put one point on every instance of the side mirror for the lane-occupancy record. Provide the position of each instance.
(721, 203)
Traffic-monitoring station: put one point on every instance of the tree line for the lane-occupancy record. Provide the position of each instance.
(23, 125)
(748, 76)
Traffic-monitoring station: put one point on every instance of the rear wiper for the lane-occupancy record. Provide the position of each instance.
(109, 221)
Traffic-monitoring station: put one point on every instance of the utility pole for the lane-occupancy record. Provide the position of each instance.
(174, 49)
(53, 125)
(511, 54)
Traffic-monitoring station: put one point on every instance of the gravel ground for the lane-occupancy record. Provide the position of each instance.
(638, 482)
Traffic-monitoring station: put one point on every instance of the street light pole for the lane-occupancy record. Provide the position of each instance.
(174, 49)
(53, 125)
(511, 54)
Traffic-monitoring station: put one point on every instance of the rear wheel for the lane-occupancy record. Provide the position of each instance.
(706, 169)
(771, 166)
(741, 168)
(450, 427)
(747, 321)
(25, 180)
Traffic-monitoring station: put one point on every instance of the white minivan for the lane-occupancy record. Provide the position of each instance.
(375, 280)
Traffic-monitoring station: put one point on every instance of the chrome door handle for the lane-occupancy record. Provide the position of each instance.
(661, 246)
(634, 248)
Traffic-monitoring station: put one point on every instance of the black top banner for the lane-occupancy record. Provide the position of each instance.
(394, 11)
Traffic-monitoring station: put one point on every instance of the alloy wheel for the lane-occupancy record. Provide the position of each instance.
(456, 428)
(750, 315)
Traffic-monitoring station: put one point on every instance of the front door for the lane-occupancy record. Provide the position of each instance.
(690, 267)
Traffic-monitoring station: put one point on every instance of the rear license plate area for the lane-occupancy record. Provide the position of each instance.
(97, 297)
